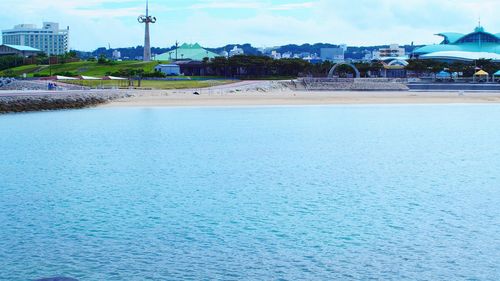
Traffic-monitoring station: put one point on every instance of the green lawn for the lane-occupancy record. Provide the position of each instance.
(163, 85)
(81, 68)
(18, 71)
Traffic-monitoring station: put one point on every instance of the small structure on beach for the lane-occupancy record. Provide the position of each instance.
(58, 77)
(481, 76)
(496, 76)
(83, 77)
(113, 78)
(444, 76)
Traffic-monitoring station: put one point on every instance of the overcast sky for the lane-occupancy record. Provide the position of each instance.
(265, 23)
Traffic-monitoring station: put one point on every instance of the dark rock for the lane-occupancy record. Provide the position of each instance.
(53, 102)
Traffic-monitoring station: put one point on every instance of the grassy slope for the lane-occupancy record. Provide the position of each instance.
(98, 70)
(83, 68)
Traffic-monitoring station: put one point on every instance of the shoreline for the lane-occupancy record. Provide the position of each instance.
(227, 96)
(277, 98)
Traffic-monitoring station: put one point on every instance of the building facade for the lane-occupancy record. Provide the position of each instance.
(49, 39)
(117, 55)
(187, 52)
(236, 52)
(22, 51)
(332, 54)
(393, 51)
(169, 69)
(463, 47)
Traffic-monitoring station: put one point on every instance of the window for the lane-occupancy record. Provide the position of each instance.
(479, 37)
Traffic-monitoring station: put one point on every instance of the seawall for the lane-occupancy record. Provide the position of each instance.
(343, 84)
(453, 87)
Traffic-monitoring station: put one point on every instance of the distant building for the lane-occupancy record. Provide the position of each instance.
(393, 71)
(275, 55)
(394, 51)
(332, 54)
(23, 51)
(463, 47)
(49, 39)
(169, 69)
(287, 55)
(236, 51)
(224, 54)
(187, 52)
(117, 55)
(304, 55)
(368, 56)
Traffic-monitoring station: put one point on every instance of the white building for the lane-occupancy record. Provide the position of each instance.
(117, 55)
(275, 55)
(236, 51)
(50, 39)
(169, 69)
(393, 51)
(368, 56)
(224, 54)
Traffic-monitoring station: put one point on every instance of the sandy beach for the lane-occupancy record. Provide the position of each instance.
(288, 97)
(245, 93)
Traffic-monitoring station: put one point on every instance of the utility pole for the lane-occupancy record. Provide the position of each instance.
(176, 47)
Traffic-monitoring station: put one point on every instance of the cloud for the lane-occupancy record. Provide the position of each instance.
(226, 5)
(292, 6)
(261, 5)
(96, 23)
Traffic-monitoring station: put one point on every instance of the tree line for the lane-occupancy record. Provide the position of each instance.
(261, 66)
(253, 66)
(468, 69)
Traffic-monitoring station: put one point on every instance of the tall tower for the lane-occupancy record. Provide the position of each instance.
(147, 19)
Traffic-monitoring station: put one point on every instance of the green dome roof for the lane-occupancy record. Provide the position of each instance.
(187, 52)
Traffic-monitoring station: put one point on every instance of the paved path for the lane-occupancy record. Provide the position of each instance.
(31, 93)
(236, 85)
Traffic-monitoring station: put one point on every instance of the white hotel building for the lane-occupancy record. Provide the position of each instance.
(49, 39)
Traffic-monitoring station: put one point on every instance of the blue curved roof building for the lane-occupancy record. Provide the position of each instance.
(463, 47)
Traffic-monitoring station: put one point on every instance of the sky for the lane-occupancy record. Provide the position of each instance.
(263, 23)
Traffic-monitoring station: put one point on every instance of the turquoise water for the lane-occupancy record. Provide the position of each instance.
(271, 193)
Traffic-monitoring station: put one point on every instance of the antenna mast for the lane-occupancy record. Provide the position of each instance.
(147, 19)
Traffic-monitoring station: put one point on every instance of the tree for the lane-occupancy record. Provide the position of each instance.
(102, 59)
(10, 61)
(487, 65)
(418, 66)
(42, 58)
(71, 54)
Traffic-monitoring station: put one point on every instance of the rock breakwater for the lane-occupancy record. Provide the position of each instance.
(53, 101)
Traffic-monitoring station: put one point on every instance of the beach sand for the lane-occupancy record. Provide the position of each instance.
(289, 97)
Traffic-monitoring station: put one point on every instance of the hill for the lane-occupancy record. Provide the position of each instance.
(352, 52)
(79, 68)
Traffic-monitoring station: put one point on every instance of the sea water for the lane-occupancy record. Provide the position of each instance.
(382, 192)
